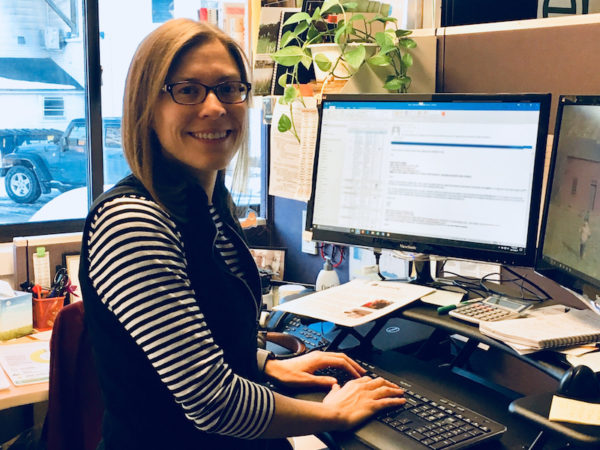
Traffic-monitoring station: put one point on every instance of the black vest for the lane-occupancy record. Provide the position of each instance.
(140, 412)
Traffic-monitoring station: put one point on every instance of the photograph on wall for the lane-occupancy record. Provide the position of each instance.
(271, 260)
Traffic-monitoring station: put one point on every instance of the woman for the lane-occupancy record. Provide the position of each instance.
(171, 291)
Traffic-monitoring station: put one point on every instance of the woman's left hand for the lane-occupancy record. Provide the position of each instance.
(299, 371)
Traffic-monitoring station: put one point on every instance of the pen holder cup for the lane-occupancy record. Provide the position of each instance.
(45, 311)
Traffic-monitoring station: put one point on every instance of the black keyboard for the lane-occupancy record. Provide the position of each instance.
(426, 420)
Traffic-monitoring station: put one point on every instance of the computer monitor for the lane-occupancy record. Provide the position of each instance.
(569, 250)
(456, 175)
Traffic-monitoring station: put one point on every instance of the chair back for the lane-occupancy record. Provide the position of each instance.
(75, 406)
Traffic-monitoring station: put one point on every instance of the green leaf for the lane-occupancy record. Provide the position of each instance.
(407, 43)
(401, 33)
(287, 37)
(322, 62)
(297, 17)
(301, 28)
(282, 80)
(356, 56)
(393, 85)
(350, 6)
(407, 59)
(341, 32)
(311, 35)
(284, 123)
(288, 56)
(380, 60)
(317, 14)
(384, 39)
(328, 4)
(356, 17)
(398, 84)
(306, 60)
(290, 93)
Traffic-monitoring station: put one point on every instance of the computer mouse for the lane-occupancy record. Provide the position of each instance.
(580, 382)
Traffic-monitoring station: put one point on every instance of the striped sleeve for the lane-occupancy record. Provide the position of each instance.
(138, 268)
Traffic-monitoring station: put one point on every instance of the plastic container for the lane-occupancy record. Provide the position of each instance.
(327, 276)
(45, 311)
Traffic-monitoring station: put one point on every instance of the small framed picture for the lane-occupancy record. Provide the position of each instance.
(71, 262)
(271, 260)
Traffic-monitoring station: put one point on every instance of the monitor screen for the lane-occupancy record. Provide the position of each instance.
(456, 175)
(569, 250)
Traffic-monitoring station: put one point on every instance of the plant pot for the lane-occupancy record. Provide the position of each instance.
(332, 52)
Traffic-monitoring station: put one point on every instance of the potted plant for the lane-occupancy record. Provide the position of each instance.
(352, 32)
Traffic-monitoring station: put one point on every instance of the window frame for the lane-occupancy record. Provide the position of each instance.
(94, 145)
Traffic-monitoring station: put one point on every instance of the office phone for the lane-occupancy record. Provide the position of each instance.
(291, 324)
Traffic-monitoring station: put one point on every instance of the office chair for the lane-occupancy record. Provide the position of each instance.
(75, 407)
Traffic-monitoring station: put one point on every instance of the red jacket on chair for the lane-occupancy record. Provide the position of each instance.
(75, 407)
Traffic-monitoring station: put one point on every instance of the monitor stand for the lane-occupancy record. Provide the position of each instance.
(422, 271)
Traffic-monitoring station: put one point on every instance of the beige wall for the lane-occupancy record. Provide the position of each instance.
(559, 55)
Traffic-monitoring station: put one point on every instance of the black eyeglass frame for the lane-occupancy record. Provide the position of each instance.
(169, 88)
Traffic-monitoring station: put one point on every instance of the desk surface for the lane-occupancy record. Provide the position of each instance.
(546, 361)
(22, 395)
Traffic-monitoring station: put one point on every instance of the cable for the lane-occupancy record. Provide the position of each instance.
(334, 248)
(377, 253)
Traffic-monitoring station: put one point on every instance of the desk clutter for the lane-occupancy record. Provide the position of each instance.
(546, 331)
(35, 307)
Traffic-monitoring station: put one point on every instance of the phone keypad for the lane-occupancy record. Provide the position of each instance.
(312, 339)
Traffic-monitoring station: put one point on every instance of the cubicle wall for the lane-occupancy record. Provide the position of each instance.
(58, 246)
(559, 55)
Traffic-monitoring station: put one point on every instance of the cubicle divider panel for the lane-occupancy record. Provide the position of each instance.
(56, 245)
(556, 55)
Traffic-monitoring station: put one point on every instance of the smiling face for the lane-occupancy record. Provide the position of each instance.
(202, 138)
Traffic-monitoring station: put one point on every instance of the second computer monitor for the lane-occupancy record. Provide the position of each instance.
(570, 237)
(443, 174)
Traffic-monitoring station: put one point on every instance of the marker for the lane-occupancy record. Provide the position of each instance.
(446, 309)
(37, 290)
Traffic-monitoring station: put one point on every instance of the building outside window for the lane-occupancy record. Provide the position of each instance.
(54, 107)
(43, 127)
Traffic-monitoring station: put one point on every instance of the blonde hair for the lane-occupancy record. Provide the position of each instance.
(152, 62)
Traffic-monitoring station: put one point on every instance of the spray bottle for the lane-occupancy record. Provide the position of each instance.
(327, 276)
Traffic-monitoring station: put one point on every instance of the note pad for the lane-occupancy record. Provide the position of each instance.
(574, 411)
(573, 327)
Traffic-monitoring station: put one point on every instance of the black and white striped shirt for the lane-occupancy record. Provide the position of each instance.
(138, 268)
(225, 247)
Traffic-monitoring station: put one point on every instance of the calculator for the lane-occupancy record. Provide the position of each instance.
(493, 308)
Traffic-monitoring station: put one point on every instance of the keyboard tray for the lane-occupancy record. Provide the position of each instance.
(426, 421)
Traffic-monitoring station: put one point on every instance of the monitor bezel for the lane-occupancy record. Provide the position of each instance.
(445, 248)
(566, 277)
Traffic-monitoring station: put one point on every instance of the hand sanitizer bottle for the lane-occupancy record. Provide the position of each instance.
(327, 276)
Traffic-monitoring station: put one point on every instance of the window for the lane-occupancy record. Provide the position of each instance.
(44, 191)
(42, 85)
(54, 107)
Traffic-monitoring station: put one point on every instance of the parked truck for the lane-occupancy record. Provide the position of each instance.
(34, 168)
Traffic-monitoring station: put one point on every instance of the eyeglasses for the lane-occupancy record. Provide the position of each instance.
(194, 93)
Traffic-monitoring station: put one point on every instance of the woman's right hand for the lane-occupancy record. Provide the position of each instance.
(361, 398)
